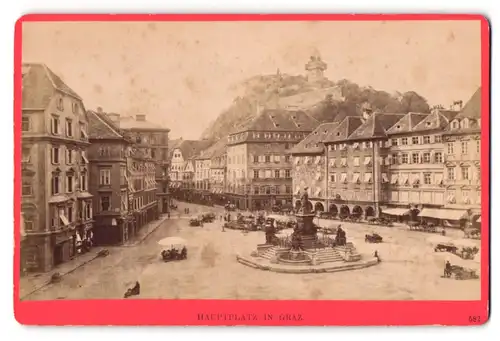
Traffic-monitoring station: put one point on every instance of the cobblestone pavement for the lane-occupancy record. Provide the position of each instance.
(410, 270)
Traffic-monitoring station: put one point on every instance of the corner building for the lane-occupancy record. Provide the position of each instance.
(55, 202)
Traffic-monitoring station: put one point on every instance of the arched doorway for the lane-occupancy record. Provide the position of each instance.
(298, 204)
(357, 211)
(333, 210)
(369, 212)
(318, 207)
(344, 211)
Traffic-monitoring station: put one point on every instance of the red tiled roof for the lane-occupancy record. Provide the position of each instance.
(313, 143)
(39, 84)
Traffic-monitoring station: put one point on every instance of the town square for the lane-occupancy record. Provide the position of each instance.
(302, 181)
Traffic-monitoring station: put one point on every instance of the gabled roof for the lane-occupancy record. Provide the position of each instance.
(280, 120)
(435, 120)
(313, 143)
(39, 84)
(472, 109)
(101, 127)
(344, 129)
(191, 148)
(375, 126)
(407, 123)
(217, 149)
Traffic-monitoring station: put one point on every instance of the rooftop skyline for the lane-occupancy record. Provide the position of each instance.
(168, 70)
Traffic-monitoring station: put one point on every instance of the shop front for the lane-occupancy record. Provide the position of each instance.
(63, 246)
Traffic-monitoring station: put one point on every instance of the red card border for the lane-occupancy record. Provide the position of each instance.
(318, 313)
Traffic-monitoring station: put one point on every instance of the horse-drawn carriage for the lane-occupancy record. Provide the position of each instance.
(281, 222)
(425, 227)
(380, 221)
(463, 248)
(354, 218)
(195, 221)
(175, 249)
(373, 238)
(230, 207)
(330, 230)
(472, 233)
(459, 272)
(327, 215)
(208, 217)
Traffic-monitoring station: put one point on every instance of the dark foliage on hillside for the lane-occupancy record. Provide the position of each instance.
(265, 89)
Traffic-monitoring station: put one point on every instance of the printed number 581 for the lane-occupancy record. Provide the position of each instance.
(474, 319)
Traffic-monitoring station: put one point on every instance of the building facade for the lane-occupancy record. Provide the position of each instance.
(259, 169)
(417, 165)
(55, 202)
(109, 182)
(462, 159)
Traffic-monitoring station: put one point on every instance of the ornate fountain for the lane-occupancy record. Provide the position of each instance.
(303, 251)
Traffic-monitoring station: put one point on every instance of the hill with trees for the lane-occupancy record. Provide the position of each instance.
(264, 89)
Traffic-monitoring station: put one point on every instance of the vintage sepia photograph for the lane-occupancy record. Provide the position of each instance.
(251, 160)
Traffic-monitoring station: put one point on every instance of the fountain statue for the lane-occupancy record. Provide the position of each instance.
(305, 226)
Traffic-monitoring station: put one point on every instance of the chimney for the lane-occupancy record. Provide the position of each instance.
(140, 118)
(99, 110)
(114, 117)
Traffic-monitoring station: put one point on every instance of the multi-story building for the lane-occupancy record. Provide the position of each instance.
(182, 169)
(416, 162)
(218, 172)
(462, 159)
(309, 167)
(143, 158)
(258, 167)
(109, 181)
(202, 175)
(55, 202)
(210, 171)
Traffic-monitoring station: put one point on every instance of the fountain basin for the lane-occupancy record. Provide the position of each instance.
(294, 258)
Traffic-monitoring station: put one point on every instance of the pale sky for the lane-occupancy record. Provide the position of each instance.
(181, 74)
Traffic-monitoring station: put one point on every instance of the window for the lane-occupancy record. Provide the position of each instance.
(83, 131)
(277, 174)
(55, 184)
(288, 189)
(256, 190)
(394, 142)
(69, 156)
(404, 141)
(268, 190)
(427, 157)
(27, 189)
(83, 181)
(394, 159)
(427, 178)
(54, 125)
(404, 158)
(465, 173)
(26, 155)
(455, 125)
(55, 155)
(60, 104)
(75, 108)
(255, 174)
(153, 153)
(287, 174)
(256, 159)
(277, 189)
(25, 124)
(333, 177)
(438, 157)
(29, 225)
(478, 146)
(268, 158)
(69, 183)
(437, 139)
(288, 159)
(414, 140)
(84, 159)
(415, 158)
(70, 213)
(451, 173)
(69, 128)
(450, 148)
(105, 203)
(356, 161)
(465, 145)
(427, 139)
